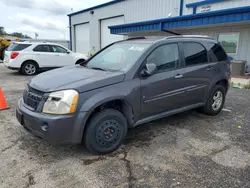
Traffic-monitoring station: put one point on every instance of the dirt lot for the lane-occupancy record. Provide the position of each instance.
(185, 150)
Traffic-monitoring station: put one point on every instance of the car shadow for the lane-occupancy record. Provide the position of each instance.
(137, 137)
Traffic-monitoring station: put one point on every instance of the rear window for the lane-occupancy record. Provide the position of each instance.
(217, 51)
(17, 47)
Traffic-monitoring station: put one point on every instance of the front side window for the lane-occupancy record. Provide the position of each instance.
(229, 41)
(118, 57)
(194, 54)
(58, 49)
(42, 48)
(166, 57)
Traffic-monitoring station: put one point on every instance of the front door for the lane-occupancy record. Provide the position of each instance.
(62, 57)
(163, 90)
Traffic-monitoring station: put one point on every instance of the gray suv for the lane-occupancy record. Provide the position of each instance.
(126, 84)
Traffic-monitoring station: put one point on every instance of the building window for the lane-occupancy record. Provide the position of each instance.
(229, 41)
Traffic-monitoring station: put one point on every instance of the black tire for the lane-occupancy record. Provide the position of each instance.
(80, 61)
(208, 108)
(105, 132)
(27, 64)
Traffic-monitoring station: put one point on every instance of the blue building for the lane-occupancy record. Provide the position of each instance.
(227, 21)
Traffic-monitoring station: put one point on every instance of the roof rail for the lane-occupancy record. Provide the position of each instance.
(136, 38)
(189, 36)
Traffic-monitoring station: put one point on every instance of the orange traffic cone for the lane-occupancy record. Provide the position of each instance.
(3, 103)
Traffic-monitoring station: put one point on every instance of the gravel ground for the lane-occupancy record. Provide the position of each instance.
(185, 150)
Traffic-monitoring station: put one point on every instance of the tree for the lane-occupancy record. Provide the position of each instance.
(15, 34)
(2, 30)
(20, 35)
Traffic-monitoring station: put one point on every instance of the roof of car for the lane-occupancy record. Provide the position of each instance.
(153, 40)
(37, 43)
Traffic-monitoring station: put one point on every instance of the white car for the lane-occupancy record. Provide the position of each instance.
(29, 58)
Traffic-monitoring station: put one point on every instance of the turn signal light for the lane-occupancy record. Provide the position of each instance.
(14, 55)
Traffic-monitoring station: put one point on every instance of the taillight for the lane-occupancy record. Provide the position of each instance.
(14, 55)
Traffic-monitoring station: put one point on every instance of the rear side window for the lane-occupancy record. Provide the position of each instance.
(217, 51)
(42, 48)
(194, 54)
(17, 47)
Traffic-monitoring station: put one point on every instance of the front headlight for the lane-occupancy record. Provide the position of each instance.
(61, 102)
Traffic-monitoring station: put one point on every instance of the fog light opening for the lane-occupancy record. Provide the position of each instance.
(45, 127)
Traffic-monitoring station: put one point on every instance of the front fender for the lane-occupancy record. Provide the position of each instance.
(128, 91)
(85, 112)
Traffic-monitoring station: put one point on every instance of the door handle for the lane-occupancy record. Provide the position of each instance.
(178, 76)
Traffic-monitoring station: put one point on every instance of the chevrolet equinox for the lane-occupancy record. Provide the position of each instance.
(126, 84)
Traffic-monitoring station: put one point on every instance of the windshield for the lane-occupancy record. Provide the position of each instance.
(118, 57)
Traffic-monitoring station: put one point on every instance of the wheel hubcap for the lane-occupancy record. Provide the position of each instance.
(217, 100)
(30, 69)
(108, 133)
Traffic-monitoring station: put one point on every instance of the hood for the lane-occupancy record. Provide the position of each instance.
(75, 77)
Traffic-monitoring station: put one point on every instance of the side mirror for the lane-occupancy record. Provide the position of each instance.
(149, 70)
(68, 52)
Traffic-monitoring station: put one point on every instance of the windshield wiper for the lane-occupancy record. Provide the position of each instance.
(97, 68)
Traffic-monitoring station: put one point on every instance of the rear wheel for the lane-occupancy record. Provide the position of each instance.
(105, 132)
(29, 68)
(215, 101)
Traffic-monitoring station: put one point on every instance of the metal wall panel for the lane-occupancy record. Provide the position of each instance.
(215, 6)
(94, 21)
(106, 37)
(82, 43)
(186, 10)
(141, 10)
(226, 4)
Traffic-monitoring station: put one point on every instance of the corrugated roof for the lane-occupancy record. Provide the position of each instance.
(214, 17)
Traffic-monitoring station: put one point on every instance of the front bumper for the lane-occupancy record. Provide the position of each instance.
(62, 129)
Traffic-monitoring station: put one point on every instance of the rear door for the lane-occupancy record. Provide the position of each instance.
(163, 91)
(198, 72)
(61, 56)
(44, 56)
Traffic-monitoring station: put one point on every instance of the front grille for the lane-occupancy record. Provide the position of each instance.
(32, 97)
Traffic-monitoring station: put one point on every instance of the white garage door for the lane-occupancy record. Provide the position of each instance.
(106, 37)
(82, 42)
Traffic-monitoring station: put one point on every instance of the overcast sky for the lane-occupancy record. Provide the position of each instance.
(48, 18)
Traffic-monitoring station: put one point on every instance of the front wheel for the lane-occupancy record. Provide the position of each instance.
(105, 132)
(215, 101)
